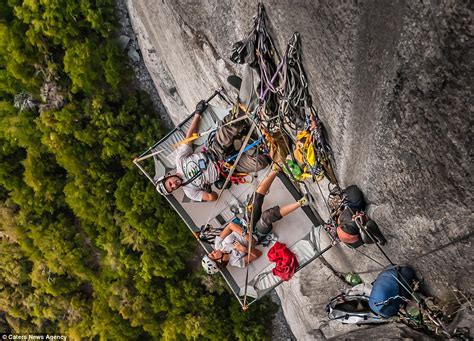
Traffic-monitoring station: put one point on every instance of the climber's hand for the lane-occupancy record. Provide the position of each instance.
(200, 107)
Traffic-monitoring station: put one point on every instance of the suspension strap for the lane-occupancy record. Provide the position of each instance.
(294, 89)
(250, 231)
(191, 179)
(231, 172)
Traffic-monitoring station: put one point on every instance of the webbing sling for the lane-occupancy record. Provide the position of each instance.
(229, 176)
(199, 173)
(194, 177)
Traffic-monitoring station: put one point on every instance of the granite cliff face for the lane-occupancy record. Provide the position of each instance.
(392, 83)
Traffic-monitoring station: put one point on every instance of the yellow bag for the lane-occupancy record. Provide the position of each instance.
(304, 151)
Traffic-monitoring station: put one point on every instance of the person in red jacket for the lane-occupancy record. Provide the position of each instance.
(231, 246)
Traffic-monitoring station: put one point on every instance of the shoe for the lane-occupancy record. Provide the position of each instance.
(276, 167)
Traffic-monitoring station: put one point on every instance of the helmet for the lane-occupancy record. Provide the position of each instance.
(209, 265)
(160, 185)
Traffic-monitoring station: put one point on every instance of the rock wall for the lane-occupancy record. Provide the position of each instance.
(392, 82)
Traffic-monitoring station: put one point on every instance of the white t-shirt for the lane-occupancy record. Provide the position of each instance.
(226, 245)
(187, 165)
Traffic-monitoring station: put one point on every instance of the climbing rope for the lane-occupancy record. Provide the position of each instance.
(293, 93)
(266, 53)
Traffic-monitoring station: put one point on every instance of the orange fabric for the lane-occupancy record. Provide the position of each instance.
(346, 237)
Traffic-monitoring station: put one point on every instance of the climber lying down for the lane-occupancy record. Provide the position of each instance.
(231, 246)
(197, 172)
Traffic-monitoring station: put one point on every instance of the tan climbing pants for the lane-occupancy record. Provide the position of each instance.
(229, 139)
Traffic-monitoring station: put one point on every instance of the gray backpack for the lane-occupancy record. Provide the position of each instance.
(351, 306)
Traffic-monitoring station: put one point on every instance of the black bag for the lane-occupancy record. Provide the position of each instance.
(243, 52)
(375, 233)
(353, 198)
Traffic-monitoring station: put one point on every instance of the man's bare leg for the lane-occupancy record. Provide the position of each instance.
(287, 209)
(265, 186)
(267, 182)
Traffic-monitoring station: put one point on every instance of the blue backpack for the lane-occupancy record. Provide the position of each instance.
(389, 289)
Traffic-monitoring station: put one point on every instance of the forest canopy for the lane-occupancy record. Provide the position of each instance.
(88, 248)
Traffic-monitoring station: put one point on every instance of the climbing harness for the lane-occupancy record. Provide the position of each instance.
(232, 169)
(208, 233)
(236, 178)
(236, 161)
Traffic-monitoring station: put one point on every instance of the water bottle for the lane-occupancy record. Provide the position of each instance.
(353, 279)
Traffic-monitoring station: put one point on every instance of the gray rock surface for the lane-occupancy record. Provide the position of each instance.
(384, 332)
(392, 83)
(280, 329)
(143, 80)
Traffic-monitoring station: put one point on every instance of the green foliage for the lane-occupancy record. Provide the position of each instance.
(93, 65)
(17, 58)
(254, 322)
(88, 248)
